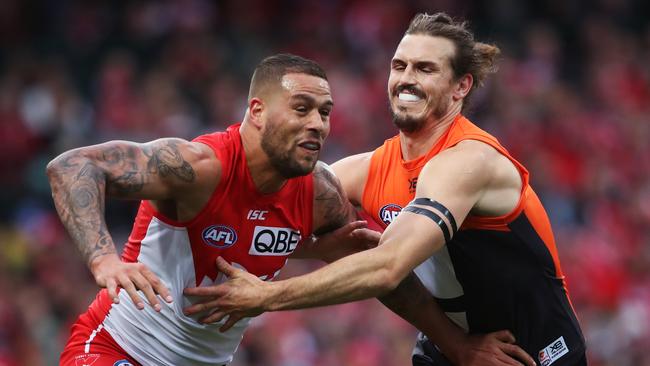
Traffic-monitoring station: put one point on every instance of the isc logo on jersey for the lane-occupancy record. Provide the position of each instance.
(277, 241)
(219, 236)
(389, 212)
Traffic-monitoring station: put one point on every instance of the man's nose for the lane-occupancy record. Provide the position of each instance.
(317, 123)
(407, 77)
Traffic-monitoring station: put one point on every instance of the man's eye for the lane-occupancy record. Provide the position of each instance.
(325, 112)
(301, 109)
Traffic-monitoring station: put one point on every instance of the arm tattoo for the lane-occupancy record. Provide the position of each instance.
(80, 180)
(330, 203)
(168, 161)
(164, 160)
(78, 191)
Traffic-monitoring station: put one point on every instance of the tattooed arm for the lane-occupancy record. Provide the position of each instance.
(161, 171)
(331, 206)
(336, 235)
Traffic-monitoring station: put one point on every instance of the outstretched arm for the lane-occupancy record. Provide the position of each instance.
(457, 178)
(80, 180)
(384, 271)
(410, 299)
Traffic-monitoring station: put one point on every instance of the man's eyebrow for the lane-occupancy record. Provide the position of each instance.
(311, 100)
(427, 63)
(418, 63)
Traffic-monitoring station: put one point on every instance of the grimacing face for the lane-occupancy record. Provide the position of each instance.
(296, 123)
(420, 81)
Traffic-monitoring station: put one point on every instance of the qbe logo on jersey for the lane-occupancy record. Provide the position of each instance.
(552, 352)
(389, 212)
(277, 241)
(219, 236)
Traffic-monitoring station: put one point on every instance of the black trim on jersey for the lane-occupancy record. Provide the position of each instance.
(522, 227)
(440, 207)
(509, 282)
(437, 219)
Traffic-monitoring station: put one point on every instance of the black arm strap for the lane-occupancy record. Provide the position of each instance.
(440, 207)
(437, 219)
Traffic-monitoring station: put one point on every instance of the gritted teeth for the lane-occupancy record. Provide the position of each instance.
(407, 97)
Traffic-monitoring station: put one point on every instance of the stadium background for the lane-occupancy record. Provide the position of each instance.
(571, 101)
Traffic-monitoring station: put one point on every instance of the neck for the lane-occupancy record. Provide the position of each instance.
(418, 143)
(265, 177)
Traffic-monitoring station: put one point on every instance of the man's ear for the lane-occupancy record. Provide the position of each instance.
(463, 87)
(256, 110)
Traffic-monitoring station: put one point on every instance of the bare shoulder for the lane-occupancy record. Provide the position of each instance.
(353, 160)
(472, 152)
(173, 147)
(476, 170)
(331, 206)
(500, 170)
(467, 163)
(181, 162)
(203, 158)
(353, 174)
(161, 169)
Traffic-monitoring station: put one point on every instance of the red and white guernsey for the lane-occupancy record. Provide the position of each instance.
(251, 230)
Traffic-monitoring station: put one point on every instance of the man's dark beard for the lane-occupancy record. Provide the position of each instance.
(282, 162)
(410, 124)
(406, 123)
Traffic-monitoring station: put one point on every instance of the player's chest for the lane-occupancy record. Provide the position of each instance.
(392, 196)
(255, 237)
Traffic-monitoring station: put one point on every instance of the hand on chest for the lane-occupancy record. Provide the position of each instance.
(256, 239)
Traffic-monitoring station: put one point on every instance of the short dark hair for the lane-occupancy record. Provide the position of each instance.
(471, 57)
(273, 68)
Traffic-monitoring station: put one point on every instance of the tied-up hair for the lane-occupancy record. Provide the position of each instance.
(270, 71)
(470, 57)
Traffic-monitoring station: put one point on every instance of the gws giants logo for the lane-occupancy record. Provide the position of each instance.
(389, 212)
(219, 236)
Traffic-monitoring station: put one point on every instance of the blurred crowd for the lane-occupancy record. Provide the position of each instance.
(571, 101)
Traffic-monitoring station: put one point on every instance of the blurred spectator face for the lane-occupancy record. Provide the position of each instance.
(421, 80)
(296, 123)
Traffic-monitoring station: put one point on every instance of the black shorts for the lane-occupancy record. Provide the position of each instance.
(427, 354)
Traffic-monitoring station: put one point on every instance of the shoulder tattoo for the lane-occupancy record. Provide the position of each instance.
(330, 201)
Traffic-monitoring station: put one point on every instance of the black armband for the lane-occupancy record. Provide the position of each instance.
(440, 207)
(437, 219)
(433, 216)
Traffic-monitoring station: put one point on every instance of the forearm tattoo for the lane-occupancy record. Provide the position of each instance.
(80, 180)
(331, 204)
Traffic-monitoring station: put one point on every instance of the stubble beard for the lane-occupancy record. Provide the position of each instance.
(282, 161)
(408, 123)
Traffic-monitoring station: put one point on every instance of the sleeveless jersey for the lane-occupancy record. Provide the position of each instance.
(251, 230)
(496, 272)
